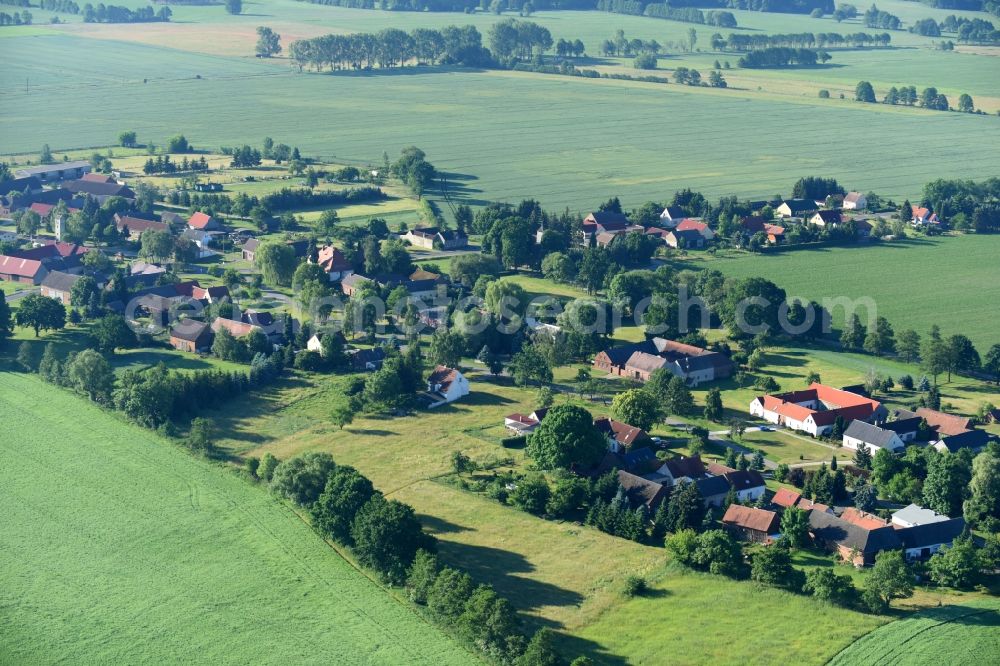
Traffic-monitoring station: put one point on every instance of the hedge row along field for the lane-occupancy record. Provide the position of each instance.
(965, 635)
(119, 547)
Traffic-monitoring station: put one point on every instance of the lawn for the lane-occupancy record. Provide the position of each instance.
(563, 140)
(897, 279)
(783, 447)
(120, 547)
(958, 635)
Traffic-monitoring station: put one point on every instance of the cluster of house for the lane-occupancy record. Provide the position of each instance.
(866, 421)
(434, 238)
(602, 227)
(856, 536)
(640, 360)
(34, 265)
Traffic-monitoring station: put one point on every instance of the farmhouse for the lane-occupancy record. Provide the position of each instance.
(333, 262)
(446, 385)
(872, 437)
(816, 409)
(203, 222)
(795, 208)
(52, 173)
(202, 240)
(785, 498)
(59, 285)
(713, 490)
(522, 424)
(353, 283)
(855, 201)
(605, 222)
(775, 234)
(191, 335)
(433, 238)
(951, 432)
(638, 361)
(366, 359)
(20, 185)
(675, 470)
(659, 234)
(750, 524)
(922, 541)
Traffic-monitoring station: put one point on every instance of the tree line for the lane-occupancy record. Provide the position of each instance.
(392, 48)
(387, 537)
(722, 19)
(929, 98)
(978, 31)
(781, 56)
(875, 18)
(749, 42)
(162, 164)
(116, 14)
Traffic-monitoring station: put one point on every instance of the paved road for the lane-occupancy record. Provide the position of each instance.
(18, 295)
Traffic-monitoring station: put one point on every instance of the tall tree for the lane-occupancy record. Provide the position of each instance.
(934, 354)
(636, 407)
(908, 345)
(566, 437)
(40, 313)
(268, 42)
(880, 338)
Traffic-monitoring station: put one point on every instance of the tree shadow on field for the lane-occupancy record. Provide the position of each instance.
(404, 71)
(235, 419)
(438, 526)
(500, 568)
(573, 646)
(371, 432)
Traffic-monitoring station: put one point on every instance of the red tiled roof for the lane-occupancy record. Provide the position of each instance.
(687, 224)
(774, 230)
(332, 260)
(751, 518)
(443, 376)
(238, 329)
(57, 249)
(862, 519)
(943, 423)
(137, 224)
(199, 220)
(622, 433)
(786, 497)
(520, 418)
(98, 178)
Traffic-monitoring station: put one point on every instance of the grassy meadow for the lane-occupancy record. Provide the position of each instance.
(196, 565)
(914, 284)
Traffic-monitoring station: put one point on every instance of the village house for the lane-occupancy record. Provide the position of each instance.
(713, 490)
(675, 470)
(132, 227)
(446, 385)
(855, 201)
(522, 424)
(775, 234)
(365, 360)
(191, 335)
(854, 544)
(869, 521)
(333, 262)
(642, 491)
(238, 329)
(59, 285)
(621, 436)
(785, 498)
(671, 216)
(353, 283)
(922, 541)
(826, 218)
(872, 437)
(923, 216)
(20, 186)
(747, 523)
(816, 409)
(752, 224)
(685, 240)
(795, 208)
(659, 234)
(638, 361)
(689, 224)
(433, 238)
(748, 484)
(606, 222)
(249, 249)
(203, 222)
(951, 432)
(806, 504)
(914, 514)
(202, 240)
(53, 173)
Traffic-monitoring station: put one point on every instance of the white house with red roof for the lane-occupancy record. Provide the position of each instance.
(334, 263)
(691, 224)
(816, 409)
(923, 216)
(446, 385)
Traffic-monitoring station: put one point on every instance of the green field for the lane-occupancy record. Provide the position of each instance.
(964, 635)
(505, 135)
(914, 284)
(120, 548)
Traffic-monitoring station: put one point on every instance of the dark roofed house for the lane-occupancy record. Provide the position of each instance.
(100, 191)
(826, 218)
(748, 484)
(677, 469)
(50, 173)
(134, 226)
(922, 541)
(795, 207)
(853, 543)
(750, 524)
(250, 248)
(713, 490)
(367, 359)
(970, 439)
(642, 491)
(685, 238)
(191, 335)
(20, 185)
(59, 285)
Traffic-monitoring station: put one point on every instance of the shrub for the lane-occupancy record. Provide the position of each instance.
(635, 586)
(824, 94)
(517, 442)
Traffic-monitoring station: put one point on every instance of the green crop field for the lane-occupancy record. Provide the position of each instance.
(964, 635)
(914, 284)
(119, 547)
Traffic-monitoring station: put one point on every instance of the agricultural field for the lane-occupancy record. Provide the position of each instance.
(961, 635)
(216, 569)
(554, 141)
(897, 276)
